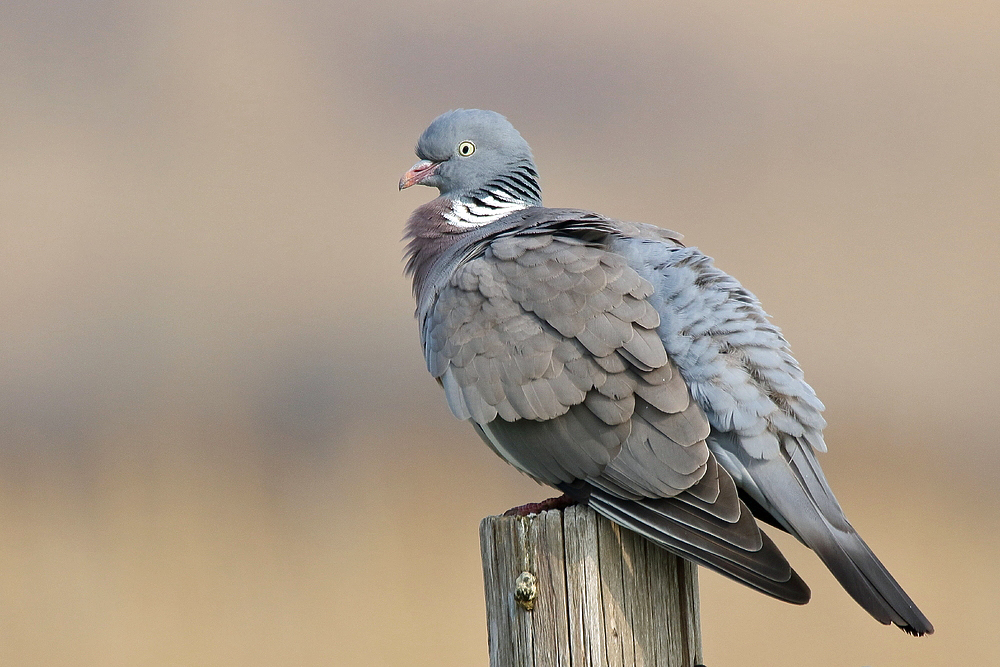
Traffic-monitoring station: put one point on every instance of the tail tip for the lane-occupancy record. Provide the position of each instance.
(918, 629)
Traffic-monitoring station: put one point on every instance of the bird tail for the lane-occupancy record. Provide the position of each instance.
(800, 497)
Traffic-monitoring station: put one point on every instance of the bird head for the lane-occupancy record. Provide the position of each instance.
(468, 151)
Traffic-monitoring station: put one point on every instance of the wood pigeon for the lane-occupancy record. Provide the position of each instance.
(608, 360)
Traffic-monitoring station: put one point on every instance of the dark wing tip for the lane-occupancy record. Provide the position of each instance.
(759, 569)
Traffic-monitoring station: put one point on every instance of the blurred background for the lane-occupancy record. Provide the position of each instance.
(218, 443)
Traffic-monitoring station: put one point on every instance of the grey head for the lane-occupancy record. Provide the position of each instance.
(472, 155)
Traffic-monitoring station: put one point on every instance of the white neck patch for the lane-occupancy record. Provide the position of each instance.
(497, 205)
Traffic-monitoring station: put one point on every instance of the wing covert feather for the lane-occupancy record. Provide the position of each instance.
(550, 345)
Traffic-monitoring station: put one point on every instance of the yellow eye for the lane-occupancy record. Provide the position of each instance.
(466, 148)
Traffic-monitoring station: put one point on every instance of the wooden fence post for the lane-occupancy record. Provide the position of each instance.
(571, 589)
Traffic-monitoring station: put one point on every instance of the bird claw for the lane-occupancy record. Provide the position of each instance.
(559, 503)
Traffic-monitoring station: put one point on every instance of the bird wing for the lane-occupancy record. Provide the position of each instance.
(765, 419)
(547, 341)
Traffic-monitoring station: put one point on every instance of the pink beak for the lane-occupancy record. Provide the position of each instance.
(417, 173)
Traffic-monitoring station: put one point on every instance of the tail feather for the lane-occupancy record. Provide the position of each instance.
(797, 490)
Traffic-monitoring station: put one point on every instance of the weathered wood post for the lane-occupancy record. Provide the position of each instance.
(571, 589)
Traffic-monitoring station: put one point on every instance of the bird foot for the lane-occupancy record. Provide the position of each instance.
(559, 503)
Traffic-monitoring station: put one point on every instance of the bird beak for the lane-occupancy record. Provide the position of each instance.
(417, 173)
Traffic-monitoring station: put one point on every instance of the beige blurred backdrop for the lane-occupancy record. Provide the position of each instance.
(218, 444)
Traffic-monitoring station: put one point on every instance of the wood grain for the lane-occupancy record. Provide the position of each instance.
(603, 596)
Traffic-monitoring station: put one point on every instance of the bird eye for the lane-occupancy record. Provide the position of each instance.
(466, 148)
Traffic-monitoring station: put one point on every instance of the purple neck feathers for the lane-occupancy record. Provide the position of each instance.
(430, 235)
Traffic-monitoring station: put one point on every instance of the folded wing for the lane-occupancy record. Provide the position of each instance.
(548, 343)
